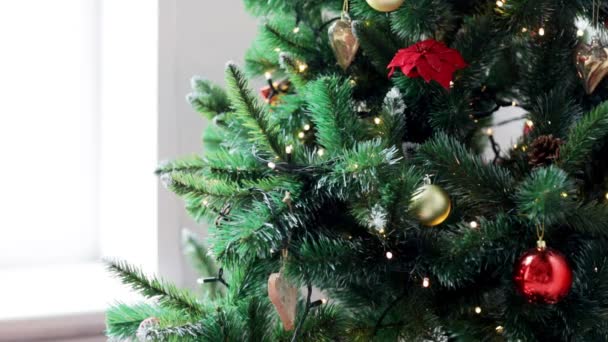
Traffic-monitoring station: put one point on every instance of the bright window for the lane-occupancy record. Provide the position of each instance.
(49, 132)
(79, 144)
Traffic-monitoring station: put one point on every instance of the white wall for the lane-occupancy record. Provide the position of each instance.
(198, 37)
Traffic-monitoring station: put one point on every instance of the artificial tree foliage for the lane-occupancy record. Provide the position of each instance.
(317, 183)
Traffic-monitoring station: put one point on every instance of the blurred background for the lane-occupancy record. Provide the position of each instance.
(92, 99)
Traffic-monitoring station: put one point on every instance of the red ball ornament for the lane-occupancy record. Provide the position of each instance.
(543, 275)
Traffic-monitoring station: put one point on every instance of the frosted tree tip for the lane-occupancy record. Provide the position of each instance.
(196, 80)
(187, 234)
(166, 180)
(231, 64)
(190, 97)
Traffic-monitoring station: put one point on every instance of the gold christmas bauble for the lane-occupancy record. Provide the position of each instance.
(385, 5)
(431, 204)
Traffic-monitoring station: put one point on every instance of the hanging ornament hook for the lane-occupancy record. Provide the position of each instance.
(427, 179)
(540, 233)
(345, 8)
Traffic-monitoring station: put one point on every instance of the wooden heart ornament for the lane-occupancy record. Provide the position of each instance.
(343, 42)
(284, 297)
(592, 64)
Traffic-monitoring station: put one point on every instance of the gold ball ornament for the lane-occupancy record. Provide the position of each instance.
(431, 204)
(385, 5)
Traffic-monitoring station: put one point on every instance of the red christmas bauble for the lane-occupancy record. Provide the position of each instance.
(543, 275)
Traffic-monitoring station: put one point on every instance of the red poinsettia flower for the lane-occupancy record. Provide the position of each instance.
(429, 59)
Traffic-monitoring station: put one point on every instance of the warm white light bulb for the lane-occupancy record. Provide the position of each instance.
(500, 3)
(524, 30)
(389, 255)
(321, 152)
(541, 31)
(205, 202)
(296, 29)
(307, 127)
(530, 123)
(489, 131)
(324, 300)
(474, 224)
(426, 282)
(301, 135)
(272, 165)
(289, 149)
(377, 120)
(478, 310)
(302, 67)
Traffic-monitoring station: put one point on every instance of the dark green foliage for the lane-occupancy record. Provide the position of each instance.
(451, 113)
(419, 18)
(375, 43)
(317, 184)
(543, 197)
(465, 175)
(554, 113)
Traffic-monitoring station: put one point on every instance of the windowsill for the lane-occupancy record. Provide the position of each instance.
(57, 302)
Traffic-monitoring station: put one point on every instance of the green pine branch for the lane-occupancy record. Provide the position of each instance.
(589, 218)
(543, 197)
(192, 164)
(467, 253)
(253, 115)
(279, 33)
(466, 176)
(166, 294)
(379, 47)
(258, 61)
(422, 18)
(203, 262)
(554, 113)
(122, 321)
(393, 125)
(207, 98)
(292, 66)
(330, 104)
(584, 138)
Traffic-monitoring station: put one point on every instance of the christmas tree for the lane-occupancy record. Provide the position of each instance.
(358, 173)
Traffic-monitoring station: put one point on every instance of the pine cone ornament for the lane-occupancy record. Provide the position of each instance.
(544, 150)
